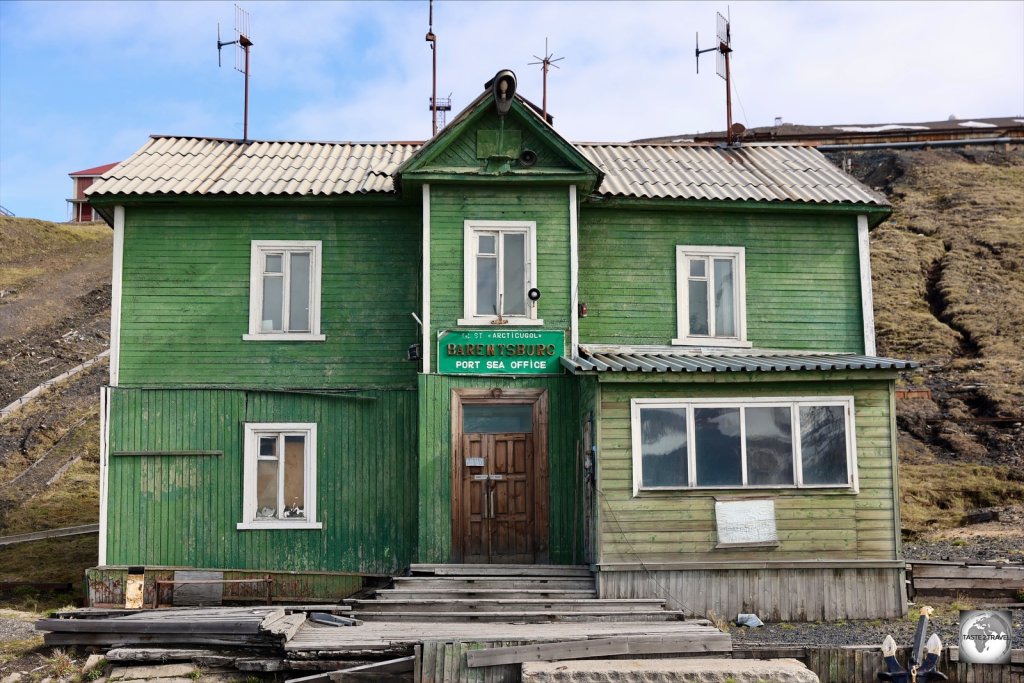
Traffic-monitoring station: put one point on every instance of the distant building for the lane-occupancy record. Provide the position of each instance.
(81, 212)
(988, 131)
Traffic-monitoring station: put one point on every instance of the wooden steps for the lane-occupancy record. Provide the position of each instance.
(414, 593)
(521, 617)
(503, 570)
(494, 583)
(526, 594)
(484, 605)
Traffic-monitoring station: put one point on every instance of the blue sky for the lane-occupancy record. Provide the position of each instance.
(84, 83)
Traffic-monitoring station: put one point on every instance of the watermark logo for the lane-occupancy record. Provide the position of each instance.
(985, 636)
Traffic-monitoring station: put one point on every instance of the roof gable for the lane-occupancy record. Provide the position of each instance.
(481, 144)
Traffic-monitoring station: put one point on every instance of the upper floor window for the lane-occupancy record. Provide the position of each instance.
(284, 290)
(711, 296)
(279, 476)
(743, 443)
(500, 270)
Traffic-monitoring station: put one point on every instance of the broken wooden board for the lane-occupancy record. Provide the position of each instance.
(284, 626)
(391, 671)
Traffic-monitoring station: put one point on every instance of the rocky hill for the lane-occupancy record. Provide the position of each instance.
(948, 274)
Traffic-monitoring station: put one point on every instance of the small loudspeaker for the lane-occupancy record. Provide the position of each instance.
(528, 158)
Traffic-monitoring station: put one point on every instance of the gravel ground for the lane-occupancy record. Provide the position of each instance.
(16, 628)
(946, 623)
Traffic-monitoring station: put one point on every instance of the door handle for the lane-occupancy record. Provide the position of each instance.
(490, 502)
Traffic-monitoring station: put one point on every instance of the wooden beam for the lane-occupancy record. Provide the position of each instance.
(600, 647)
(165, 452)
(49, 533)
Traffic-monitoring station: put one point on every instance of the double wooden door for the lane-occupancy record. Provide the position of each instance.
(500, 484)
(497, 499)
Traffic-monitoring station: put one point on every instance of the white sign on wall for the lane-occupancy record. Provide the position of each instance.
(745, 522)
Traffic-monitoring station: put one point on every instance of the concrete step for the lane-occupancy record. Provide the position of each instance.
(507, 570)
(674, 669)
(482, 606)
(524, 617)
(411, 593)
(493, 583)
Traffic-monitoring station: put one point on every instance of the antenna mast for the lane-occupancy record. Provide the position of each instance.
(432, 39)
(724, 49)
(546, 63)
(241, 58)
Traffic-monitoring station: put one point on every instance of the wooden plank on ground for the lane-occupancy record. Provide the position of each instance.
(156, 654)
(600, 647)
(968, 584)
(312, 678)
(285, 627)
(971, 571)
(138, 626)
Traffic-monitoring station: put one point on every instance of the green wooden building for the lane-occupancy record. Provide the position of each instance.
(331, 360)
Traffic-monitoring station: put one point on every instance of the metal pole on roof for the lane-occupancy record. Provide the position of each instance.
(546, 63)
(432, 39)
(246, 44)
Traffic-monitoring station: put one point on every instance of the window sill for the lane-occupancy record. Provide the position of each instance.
(284, 336)
(711, 342)
(487, 322)
(278, 524)
(738, 490)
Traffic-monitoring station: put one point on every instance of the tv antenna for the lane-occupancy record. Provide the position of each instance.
(724, 49)
(546, 63)
(241, 57)
(444, 104)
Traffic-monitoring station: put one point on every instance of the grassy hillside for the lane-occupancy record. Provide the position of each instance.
(54, 314)
(948, 272)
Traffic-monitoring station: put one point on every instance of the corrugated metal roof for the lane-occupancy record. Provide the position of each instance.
(759, 172)
(96, 170)
(206, 166)
(663, 361)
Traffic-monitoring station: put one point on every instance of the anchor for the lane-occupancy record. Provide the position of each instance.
(923, 656)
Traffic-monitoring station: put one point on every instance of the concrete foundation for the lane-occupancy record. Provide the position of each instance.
(664, 670)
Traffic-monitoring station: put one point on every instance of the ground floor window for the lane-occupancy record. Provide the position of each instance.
(743, 443)
(279, 477)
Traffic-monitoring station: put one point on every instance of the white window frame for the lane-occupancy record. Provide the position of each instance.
(258, 252)
(470, 230)
(738, 256)
(250, 455)
(793, 402)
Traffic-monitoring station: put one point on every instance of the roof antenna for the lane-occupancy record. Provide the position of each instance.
(445, 103)
(724, 49)
(241, 58)
(546, 62)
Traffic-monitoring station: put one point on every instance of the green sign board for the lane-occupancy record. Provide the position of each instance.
(500, 352)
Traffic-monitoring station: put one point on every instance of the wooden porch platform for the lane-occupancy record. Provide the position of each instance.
(380, 635)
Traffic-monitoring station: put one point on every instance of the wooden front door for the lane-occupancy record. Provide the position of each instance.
(499, 483)
(497, 498)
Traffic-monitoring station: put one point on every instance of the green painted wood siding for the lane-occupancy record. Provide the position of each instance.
(461, 153)
(185, 303)
(181, 510)
(802, 275)
(435, 447)
(679, 526)
(452, 205)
